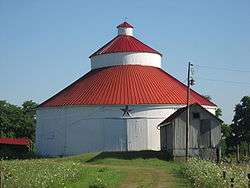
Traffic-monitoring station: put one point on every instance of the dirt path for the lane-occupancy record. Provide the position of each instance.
(144, 177)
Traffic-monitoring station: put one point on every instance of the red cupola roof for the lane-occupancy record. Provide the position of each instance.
(123, 85)
(124, 43)
(125, 25)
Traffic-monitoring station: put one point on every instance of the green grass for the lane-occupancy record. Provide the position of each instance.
(98, 177)
(53, 173)
(108, 169)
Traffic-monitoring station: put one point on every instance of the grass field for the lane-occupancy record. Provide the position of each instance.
(132, 169)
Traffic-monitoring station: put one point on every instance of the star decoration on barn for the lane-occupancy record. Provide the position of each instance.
(126, 111)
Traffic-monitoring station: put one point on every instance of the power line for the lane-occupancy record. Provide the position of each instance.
(225, 69)
(226, 81)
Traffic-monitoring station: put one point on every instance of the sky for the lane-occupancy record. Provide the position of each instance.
(45, 45)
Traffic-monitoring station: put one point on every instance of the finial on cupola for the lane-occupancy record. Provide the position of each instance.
(125, 29)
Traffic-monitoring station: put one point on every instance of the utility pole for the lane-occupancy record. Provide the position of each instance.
(189, 83)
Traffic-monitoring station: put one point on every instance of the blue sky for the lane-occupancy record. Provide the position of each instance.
(44, 45)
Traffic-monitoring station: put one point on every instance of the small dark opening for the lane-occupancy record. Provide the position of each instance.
(196, 115)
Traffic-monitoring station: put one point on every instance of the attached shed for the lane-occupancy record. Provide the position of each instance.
(14, 147)
(204, 133)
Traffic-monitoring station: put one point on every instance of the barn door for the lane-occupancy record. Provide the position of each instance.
(137, 134)
(115, 137)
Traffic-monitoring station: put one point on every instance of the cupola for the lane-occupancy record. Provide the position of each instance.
(125, 49)
(125, 29)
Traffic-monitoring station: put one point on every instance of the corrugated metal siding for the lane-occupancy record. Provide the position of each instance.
(124, 43)
(125, 84)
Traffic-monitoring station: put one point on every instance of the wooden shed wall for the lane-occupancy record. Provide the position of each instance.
(211, 139)
(167, 138)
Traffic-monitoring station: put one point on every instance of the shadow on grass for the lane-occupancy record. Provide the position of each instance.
(129, 155)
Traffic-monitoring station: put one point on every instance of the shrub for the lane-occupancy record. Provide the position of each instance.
(98, 183)
(207, 174)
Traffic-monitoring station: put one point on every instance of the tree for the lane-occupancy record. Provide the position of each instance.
(218, 112)
(29, 114)
(226, 132)
(17, 121)
(241, 120)
(240, 128)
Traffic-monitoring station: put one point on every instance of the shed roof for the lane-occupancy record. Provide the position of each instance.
(15, 141)
(181, 110)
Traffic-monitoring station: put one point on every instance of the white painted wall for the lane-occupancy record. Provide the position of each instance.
(77, 129)
(137, 137)
(126, 58)
(125, 31)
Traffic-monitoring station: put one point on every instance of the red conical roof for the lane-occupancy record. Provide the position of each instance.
(124, 85)
(125, 25)
(124, 43)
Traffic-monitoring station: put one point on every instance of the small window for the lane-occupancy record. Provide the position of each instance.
(196, 115)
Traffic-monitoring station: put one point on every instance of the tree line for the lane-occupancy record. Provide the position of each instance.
(236, 136)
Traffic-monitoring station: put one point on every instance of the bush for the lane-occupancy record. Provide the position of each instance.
(98, 183)
(207, 174)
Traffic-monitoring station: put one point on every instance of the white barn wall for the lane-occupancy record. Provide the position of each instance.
(137, 136)
(153, 131)
(50, 132)
(77, 129)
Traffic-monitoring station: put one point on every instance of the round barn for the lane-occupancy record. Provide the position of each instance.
(117, 105)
